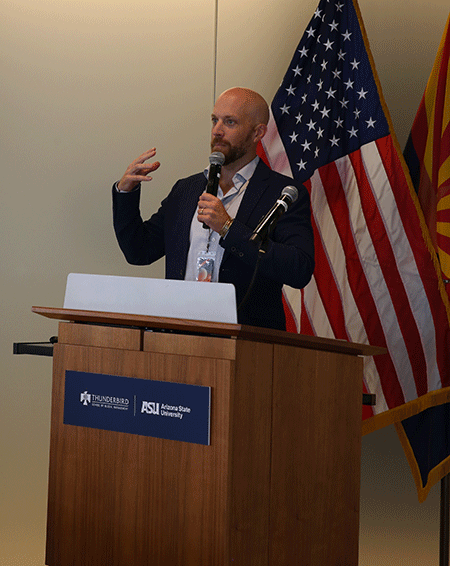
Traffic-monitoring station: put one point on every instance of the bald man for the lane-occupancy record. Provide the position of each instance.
(247, 191)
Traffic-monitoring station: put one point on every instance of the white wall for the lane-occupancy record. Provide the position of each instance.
(85, 88)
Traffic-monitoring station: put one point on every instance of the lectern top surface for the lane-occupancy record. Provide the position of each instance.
(226, 330)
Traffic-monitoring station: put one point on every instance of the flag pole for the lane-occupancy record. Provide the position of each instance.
(444, 529)
(444, 525)
(216, 27)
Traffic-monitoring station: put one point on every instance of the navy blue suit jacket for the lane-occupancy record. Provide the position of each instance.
(289, 258)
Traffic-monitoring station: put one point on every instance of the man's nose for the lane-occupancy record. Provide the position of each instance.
(217, 129)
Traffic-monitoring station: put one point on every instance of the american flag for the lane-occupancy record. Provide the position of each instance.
(376, 279)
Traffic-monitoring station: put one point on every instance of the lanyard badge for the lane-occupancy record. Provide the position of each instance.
(205, 265)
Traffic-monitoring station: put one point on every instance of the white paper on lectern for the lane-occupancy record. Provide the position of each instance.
(193, 300)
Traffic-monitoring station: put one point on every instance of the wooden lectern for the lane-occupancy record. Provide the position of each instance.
(279, 483)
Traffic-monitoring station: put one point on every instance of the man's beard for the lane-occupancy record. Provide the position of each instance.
(232, 152)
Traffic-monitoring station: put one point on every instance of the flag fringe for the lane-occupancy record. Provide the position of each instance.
(434, 475)
(393, 416)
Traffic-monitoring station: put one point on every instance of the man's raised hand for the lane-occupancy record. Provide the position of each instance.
(138, 171)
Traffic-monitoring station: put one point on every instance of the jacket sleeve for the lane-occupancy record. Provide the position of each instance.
(142, 242)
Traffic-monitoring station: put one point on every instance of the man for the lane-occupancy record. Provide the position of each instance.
(247, 191)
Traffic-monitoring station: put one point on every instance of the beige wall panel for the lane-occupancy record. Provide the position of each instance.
(86, 87)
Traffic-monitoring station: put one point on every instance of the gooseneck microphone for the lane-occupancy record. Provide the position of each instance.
(216, 160)
(267, 223)
(288, 196)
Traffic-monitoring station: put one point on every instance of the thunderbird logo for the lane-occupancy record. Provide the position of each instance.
(85, 398)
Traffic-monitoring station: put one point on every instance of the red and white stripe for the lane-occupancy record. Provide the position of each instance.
(375, 281)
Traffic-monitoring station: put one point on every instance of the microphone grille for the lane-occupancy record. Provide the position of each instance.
(217, 158)
(291, 192)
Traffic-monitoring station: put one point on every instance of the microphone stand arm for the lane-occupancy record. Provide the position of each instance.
(262, 241)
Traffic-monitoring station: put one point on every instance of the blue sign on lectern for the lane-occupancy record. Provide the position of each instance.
(174, 411)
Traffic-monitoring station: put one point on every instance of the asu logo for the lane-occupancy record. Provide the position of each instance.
(85, 398)
(150, 408)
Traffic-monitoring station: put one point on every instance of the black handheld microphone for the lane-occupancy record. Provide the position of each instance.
(288, 196)
(216, 160)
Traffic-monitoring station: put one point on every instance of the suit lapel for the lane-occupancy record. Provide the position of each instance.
(257, 186)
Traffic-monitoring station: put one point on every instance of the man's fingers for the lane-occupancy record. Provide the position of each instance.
(141, 172)
(139, 178)
(145, 168)
(138, 171)
(144, 156)
(207, 197)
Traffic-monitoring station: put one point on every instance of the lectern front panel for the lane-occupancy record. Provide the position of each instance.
(118, 498)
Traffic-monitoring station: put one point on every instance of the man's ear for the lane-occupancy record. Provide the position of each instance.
(260, 132)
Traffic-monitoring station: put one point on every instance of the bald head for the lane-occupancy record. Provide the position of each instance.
(252, 103)
(239, 122)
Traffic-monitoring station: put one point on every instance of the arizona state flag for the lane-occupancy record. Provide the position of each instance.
(427, 153)
(426, 436)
